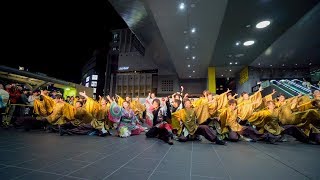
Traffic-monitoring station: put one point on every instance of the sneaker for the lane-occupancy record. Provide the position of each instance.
(170, 142)
(245, 139)
(220, 142)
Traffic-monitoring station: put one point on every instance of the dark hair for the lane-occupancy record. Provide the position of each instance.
(177, 101)
(232, 101)
(59, 96)
(243, 93)
(80, 103)
(316, 103)
(127, 102)
(185, 100)
(229, 94)
(175, 95)
(157, 101)
(281, 95)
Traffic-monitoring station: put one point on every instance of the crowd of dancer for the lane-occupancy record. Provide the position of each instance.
(218, 118)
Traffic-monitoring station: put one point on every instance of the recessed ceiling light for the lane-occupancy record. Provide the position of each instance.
(193, 30)
(188, 65)
(230, 70)
(186, 47)
(248, 43)
(230, 63)
(189, 76)
(296, 64)
(193, 57)
(222, 75)
(282, 64)
(310, 64)
(259, 64)
(182, 6)
(248, 25)
(262, 24)
(236, 63)
(188, 58)
(270, 64)
(193, 71)
(238, 43)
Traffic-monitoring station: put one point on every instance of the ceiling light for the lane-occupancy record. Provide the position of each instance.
(188, 65)
(193, 30)
(186, 47)
(230, 70)
(310, 64)
(296, 64)
(259, 64)
(222, 75)
(193, 71)
(270, 64)
(193, 57)
(190, 76)
(236, 63)
(238, 43)
(282, 64)
(248, 25)
(182, 6)
(230, 63)
(248, 43)
(262, 24)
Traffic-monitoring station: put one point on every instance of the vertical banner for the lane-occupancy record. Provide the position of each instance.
(244, 75)
(212, 79)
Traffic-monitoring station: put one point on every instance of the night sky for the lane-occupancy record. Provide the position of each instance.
(60, 34)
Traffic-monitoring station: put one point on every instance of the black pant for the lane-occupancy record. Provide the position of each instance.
(207, 132)
(296, 133)
(83, 129)
(161, 133)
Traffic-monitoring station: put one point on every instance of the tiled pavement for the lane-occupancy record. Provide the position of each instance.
(39, 155)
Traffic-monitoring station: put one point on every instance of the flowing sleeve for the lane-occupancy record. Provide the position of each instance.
(92, 106)
(256, 98)
(176, 119)
(69, 111)
(120, 101)
(48, 103)
(223, 120)
(39, 108)
(222, 100)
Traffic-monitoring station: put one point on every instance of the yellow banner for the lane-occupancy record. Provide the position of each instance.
(244, 75)
(212, 79)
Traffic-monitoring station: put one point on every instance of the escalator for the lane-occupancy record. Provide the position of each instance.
(280, 88)
(299, 83)
(296, 87)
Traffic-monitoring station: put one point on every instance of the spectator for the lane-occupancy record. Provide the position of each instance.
(33, 97)
(24, 96)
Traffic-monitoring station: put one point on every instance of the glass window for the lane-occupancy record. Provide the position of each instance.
(94, 90)
(88, 79)
(93, 83)
(94, 77)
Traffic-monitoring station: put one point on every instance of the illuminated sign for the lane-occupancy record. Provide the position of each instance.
(123, 68)
(94, 77)
(93, 83)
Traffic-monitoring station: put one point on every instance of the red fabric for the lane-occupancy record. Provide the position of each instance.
(166, 126)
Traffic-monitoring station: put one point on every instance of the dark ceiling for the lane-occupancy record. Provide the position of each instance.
(220, 24)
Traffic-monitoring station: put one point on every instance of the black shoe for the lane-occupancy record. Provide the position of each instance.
(62, 132)
(220, 142)
(170, 142)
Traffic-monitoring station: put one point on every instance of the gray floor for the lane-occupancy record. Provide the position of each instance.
(38, 155)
